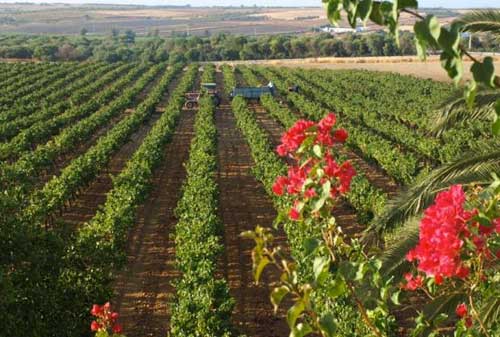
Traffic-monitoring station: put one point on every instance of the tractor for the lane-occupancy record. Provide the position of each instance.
(193, 98)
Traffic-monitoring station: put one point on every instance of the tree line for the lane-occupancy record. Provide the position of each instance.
(126, 46)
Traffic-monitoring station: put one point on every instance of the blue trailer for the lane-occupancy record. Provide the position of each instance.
(253, 92)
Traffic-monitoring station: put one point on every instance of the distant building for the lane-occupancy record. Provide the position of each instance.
(341, 30)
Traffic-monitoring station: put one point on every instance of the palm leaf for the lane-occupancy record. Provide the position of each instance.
(470, 170)
(490, 311)
(455, 110)
(402, 241)
(481, 21)
(444, 304)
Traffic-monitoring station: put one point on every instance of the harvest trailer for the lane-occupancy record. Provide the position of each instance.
(253, 92)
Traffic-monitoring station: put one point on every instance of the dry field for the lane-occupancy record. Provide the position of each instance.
(101, 19)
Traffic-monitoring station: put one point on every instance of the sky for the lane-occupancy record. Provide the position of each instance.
(423, 3)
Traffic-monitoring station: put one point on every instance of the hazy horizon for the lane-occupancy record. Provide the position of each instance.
(267, 3)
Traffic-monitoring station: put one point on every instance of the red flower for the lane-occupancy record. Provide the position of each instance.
(413, 283)
(96, 310)
(461, 310)
(117, 328)
(327, 123)
(280, 185)
(293, 138)
(296, 178)
(114, 316)
(310, 193)
(438, 279)
(340, 135)
(94, 326)
(444, 223)
(294, 214)
(462, 272)
(468, 321)
(282, 150)
(496, 224)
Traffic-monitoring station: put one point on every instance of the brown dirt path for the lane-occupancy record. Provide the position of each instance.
(243, 205)
(143, 289)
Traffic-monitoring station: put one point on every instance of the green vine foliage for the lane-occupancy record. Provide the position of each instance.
(429, 34)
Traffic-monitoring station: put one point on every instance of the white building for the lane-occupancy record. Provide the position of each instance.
(341, 30)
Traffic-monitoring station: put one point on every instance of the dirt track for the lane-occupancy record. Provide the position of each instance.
(244, 204)
(143, 289)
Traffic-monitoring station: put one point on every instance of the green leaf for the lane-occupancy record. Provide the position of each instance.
(347, 270)
(495, 128)
(302, 329)
(294, 312)
(453, 65)
(248, 234)
(337, 288)
(327, 325)
(376, 14)
(407, 4)
(263, 262)
(320, 269)
(365, 9)
(433, 26)
(277, 296)
(310, 245)
(317, 151)
(395, 297)
(333, 11)
(470, 93)
(390, 14)
(427, 33)
(484, 72)
(351, 7)
(449, 40)
(325, 194)
(360, 273)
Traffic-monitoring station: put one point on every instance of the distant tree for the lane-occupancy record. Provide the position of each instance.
(67, 53)
(84, 31)
(46, 52)
(128, 36)
(375, 43)
(115, 33)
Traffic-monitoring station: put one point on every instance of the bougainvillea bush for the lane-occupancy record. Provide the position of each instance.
(105, 322)
(457, 257)
(455, 262)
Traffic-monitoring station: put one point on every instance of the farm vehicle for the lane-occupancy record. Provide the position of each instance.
(192, 98)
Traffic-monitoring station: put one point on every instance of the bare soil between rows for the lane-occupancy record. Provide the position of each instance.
(144, 288)
(243, 205)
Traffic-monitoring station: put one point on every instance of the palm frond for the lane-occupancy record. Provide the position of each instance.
(455, 110)
(402, 240)
(490, 311)
(481, 21)
(473, 169)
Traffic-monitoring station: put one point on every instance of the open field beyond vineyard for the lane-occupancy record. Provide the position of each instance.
(100, 19)
(114, 191)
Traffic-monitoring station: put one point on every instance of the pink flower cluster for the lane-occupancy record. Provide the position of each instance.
(306, 178)
(463, 313)
(105, 320)
(302, 129)
(443, 231)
